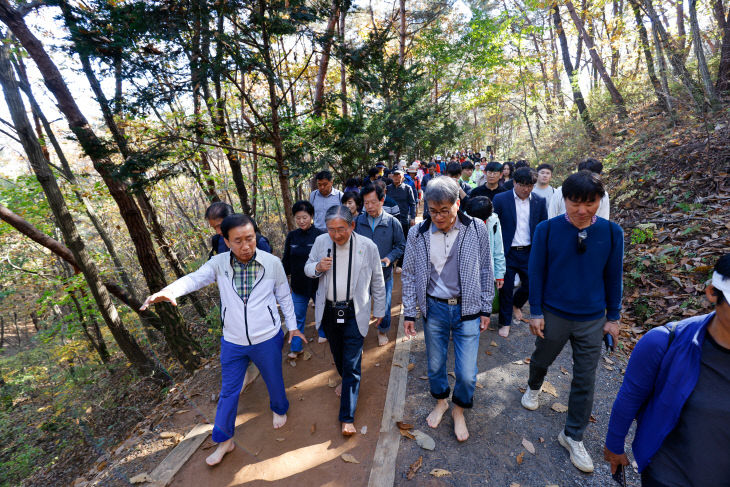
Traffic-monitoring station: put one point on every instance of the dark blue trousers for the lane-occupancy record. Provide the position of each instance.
(346, 346)
(234, 361)
(516, 264)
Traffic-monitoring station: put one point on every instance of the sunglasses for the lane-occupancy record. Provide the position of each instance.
(582, 236)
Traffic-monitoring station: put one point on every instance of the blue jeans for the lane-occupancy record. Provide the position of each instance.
(443, 321)
(384, 325)
(301, 301)
(234, 361)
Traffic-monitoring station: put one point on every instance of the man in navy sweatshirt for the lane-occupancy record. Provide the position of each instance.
(575, 269)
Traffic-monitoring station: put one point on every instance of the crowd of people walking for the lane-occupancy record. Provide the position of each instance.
(494, 237)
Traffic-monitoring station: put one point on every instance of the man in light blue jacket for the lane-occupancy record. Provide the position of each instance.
(251, 283)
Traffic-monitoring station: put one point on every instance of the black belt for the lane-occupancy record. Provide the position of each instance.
(451, 301)
(521, 247)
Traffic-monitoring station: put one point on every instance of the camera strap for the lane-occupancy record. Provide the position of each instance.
(334, 272)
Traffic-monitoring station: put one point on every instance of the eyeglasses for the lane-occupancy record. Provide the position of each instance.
(442, 213)
(582, 236)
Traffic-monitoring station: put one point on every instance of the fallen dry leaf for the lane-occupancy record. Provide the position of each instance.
(520, 458)
(514, 484)
(424, 377)
(313, 428)
(559, 408)
(528, 445)
(306, 355)
(608, 367)
(411, 366)
(493, 343)
(415, 467)
(397, 365)
(407, 434)
(522, 389)
(518, 362)
(564, 370)
(280, 439)
(608, 360)
(349, 458)
(293, 363)
(479, 385)
(488, 352)
(549, 388)
(542, 440)
(592, 419)
(182, 411)
(403, 426)
(168, 434)
(439, 472)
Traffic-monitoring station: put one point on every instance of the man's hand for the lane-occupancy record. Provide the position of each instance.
(537, 325)
(612, 328)
(386, 260)
(412, 222)
(483, 323)
(324, 265)
(158, 297)
(296, 333)
(499, 283)
(409, 327)
(614, 460)
(378, 321)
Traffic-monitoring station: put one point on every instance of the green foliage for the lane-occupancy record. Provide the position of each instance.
(642, 235)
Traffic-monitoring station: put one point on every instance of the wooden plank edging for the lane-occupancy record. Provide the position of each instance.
(164, 472)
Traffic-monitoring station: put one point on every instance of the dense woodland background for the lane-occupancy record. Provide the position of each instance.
(124, 119)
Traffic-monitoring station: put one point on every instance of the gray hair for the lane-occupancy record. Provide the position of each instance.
(442, 190)
(339, 211)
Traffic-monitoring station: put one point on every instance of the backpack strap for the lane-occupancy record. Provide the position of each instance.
(672, 327)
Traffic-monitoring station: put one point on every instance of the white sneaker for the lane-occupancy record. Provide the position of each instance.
(578, 454)
(529, 399)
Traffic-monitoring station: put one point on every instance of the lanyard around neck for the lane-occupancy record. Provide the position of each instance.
(334, 272)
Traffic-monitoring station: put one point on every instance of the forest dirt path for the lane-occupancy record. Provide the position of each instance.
(498, 423)
(307, 450)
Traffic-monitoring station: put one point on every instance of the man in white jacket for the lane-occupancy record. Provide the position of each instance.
(251, 283)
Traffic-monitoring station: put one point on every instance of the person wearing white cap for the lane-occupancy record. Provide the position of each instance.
(677, 387)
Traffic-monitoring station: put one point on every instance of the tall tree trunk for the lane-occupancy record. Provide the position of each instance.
(573, 77)
(723, 70)
(71, 177)
(700, 55)
(543, 70)
(48, 182)
(183, 347)
(402, 32)
(276, 138)
(616, 97)
(324, 60)
(662, 98)
(91, 330)
(343, 69)
(681, 32)
(557, 84)
(676, 59)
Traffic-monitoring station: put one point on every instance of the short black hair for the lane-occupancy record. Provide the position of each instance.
(583, 186)
(323, 175)
(386, 182)
(453, 169)
(521, 163)
(430, 165)
(525, 175)
(480, 207)
(219, 209)
(236, 220)
(467, 165)
(353, 182)
(494, 167)
(352, 195)
(302, 205)
(591, 164)
(722, 267)
(545, 165)
(379, 190)
(373, 171)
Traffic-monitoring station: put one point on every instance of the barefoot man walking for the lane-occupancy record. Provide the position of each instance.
(447, 273)
(251, 283)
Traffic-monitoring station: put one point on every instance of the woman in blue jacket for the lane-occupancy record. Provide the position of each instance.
(677, 386)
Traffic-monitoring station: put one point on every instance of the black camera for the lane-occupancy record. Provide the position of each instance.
(340, 308)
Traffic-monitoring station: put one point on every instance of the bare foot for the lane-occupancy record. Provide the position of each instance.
(223, 448)
(382, 339)
(348, 429)
(434, 418)
(338, 389)
(517, 313)
(504, 331)
(279, 420)
(462, 434)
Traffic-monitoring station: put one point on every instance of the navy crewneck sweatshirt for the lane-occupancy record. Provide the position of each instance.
(579, 287)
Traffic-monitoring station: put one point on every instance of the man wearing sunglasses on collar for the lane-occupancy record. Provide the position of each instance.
(575, 272)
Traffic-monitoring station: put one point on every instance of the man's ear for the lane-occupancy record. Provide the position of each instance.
(710, 294)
